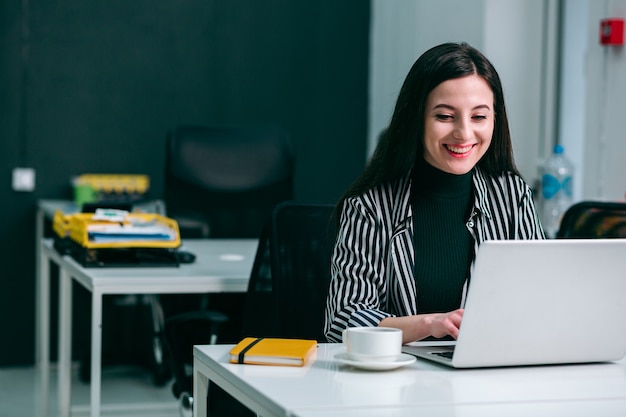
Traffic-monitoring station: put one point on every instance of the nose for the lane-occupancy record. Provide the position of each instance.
(462, 130)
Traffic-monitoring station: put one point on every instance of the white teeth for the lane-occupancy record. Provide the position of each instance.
(459, 149)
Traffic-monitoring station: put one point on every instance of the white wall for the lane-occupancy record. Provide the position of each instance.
(513, 34)
(604, 105)
(573, 87)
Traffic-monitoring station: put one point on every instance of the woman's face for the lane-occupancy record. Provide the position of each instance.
(459, 122)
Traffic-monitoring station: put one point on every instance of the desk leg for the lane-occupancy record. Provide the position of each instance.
(96, 351)
(65, 342)
(200, 390)
(42, 335)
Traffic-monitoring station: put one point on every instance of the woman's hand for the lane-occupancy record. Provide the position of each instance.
(444, 324)
(424, 325)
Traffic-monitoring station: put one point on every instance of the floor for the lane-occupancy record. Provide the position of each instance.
(126, 392)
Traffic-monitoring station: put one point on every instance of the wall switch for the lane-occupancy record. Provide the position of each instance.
(23, 179)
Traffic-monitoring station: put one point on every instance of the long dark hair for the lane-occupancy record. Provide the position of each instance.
(402, 145)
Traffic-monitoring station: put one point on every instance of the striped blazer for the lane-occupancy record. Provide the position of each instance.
(373, 258)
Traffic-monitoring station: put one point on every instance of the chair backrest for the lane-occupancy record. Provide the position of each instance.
(231, 176)
(594, 220)
(301, 239)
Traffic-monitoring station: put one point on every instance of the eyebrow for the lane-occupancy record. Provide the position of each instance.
(449, 107)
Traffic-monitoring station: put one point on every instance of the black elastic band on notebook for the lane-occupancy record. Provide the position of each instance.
(242, 354)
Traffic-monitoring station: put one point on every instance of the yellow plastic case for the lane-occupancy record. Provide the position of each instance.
(79, 223)
(72, 238)
(61, 224)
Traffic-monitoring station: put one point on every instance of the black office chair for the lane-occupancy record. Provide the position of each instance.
(224, 181)
(221, 182)
(288, 300)
(594, 220)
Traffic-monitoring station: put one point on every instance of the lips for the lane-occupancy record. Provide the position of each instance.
(459, 150)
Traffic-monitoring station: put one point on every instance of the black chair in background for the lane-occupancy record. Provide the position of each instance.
(221, 182)
(288, 298)
(224, 181)
(594, 220)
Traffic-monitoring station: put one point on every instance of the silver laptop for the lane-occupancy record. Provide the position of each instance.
(537, 302)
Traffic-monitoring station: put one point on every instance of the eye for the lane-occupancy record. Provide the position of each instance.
(443, 117)
(479, 117)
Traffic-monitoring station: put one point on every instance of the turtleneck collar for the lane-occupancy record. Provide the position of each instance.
(430, 180)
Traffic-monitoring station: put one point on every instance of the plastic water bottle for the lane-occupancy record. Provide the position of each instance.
(556, 190)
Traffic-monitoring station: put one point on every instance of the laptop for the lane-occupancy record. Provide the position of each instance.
(539, 302)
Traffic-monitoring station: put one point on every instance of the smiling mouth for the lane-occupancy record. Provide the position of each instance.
(459, 150)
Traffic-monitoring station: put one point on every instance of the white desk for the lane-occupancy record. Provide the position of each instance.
(326, 388)
(582, 408)
(46, 209)
(221, 265)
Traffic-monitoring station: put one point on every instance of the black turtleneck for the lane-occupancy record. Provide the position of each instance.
(443, 245)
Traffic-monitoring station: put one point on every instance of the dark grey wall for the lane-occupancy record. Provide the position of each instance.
(94, 86)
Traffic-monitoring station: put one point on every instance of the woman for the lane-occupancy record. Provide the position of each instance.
(441, 181)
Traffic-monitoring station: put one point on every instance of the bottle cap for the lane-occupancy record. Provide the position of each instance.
(558, 149)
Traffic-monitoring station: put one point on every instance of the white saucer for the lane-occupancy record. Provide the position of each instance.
(402, 360)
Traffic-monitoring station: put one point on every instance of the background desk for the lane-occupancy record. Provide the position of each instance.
(46, 208)
(326, 388)
(214, 271)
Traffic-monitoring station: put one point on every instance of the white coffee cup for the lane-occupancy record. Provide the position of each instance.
(373, 344)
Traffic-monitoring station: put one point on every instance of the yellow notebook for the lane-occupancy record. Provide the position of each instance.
(273, 351)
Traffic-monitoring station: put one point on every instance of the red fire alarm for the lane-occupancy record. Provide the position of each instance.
(612, 31)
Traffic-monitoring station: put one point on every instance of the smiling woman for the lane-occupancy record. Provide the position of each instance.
(458, 124)
(441, 181)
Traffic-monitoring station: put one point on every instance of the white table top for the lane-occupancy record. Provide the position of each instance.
(325, 387)
(221, 265)
(578, 408)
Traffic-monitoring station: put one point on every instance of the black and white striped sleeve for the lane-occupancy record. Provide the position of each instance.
(358, 285)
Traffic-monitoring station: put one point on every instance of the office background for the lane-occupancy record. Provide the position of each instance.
(93, 87)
